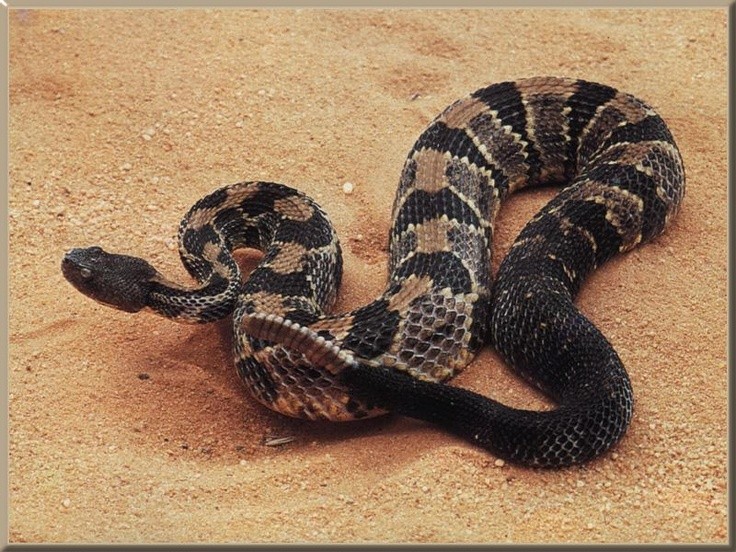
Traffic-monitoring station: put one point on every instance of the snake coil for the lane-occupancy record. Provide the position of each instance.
(624, 181)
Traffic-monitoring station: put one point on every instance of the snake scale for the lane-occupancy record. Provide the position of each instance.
(623, 182)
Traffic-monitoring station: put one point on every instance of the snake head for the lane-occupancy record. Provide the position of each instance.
(118, 281)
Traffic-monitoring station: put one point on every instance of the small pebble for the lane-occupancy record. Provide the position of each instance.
(36, 203)
(126, 167)
(66, 502)
(348, 188)
(278, 441)
(499, 463)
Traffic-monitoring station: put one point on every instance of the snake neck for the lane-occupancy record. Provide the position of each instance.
(213, 299)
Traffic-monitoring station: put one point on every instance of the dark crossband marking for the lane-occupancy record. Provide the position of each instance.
(457, 142)
(508, 110)
(420, 206)
(582, 106)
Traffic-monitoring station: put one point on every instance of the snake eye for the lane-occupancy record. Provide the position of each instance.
(85, 273)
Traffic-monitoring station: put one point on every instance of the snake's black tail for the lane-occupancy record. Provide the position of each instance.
(571, 434)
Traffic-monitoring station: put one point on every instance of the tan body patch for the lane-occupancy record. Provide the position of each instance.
(623, 209)
(430, 172)
(432, 235)
(411, 288)
(546, 86)
(289, 258)
(459, 114)
(294, 208)
(633, 109)
(338, 326)
(548, 130)
(236, 194)
(268, 302)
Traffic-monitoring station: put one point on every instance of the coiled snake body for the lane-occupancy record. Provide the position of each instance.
(624, 179)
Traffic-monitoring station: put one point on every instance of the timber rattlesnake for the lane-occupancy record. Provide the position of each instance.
(625, 182)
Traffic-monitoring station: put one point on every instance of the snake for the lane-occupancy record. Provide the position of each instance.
(621, 180)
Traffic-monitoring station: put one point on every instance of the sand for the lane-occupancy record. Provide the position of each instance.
(131, 428)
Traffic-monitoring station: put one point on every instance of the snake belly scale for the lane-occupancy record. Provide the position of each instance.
(623, 182)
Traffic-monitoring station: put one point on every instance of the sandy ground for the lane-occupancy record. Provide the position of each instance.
(134, 429)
